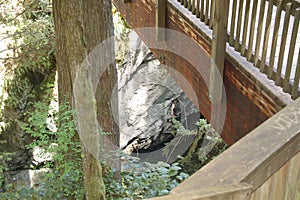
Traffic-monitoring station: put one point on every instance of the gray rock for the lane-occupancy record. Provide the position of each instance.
(148, 99)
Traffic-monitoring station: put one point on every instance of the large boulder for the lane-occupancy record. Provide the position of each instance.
(149, 98)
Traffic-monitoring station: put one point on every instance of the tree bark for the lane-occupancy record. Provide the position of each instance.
(87, 76)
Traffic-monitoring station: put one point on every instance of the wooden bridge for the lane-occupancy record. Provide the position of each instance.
(252, 46)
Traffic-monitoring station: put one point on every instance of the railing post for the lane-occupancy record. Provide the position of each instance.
(218, 50)
(160, 19)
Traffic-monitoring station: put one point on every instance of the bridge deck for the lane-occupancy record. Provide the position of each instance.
(251, 97)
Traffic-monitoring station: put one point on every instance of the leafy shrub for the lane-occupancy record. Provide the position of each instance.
(143, 180)
(56, 133)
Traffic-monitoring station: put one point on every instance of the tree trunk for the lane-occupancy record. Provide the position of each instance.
(87, 76)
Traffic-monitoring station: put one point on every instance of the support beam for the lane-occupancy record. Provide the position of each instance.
(218, 50)
(160, 19)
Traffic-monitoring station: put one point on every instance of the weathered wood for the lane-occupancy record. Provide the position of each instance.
(211, 15)
(252, 159)
(274, 41)
(190, 5)
(206, 12)
(278, 181)
(266, 36)
(245, 29)
(160, 19)
(202, 11)
(238, 191)
(292, 185)
(252, 28)
(286, 81)
(232, 26)
(283, 44)
(239, 26)
(295, 5)
(259, 32)
(295, 89)
(218, 50)
(194, 7)
(198, 9)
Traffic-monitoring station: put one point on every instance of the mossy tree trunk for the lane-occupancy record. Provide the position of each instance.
(87, 77)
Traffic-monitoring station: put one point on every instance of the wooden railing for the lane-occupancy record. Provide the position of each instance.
(265, 32)
(265, 164)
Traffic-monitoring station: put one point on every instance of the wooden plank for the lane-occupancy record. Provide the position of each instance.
(245, 29)
(292, 189)
(286, 81)
(211, 16)
(275, 37)
(263, 192)
(198, 9)
(206, 12)
(278, 183)
(239, 26)
(160, 19)
(238, 191)
(255, 157)
(202, 11)
(218, 51)
(232, 26)
(259, 32)
(283, 44)
(194, 7)
(189, 5)
(266, 36)
(295, 89)
(252, 28)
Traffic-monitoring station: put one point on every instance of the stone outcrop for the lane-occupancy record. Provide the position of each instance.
(149, 98)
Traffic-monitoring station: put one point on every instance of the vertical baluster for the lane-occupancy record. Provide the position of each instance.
(198, 9)
(283, 43)
(245, 29)
(206, 12)
(296, 80)
(202, 10)
(266, 37)
(259, 31)
(190, 5)
(232, 26)
(193, 7)
(275, 37)
(211, 15)
(185, 3)
(238, 30)
(286, 81)
(182, 2)
(252, 28)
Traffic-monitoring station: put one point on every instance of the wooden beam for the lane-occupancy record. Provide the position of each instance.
(218, 50)
(255, 157)
(160, 20)
(233, 192)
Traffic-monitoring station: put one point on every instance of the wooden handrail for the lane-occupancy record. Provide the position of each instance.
(243, 37)
(250, 161)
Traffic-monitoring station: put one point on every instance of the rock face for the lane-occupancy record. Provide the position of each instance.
(149, 99)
